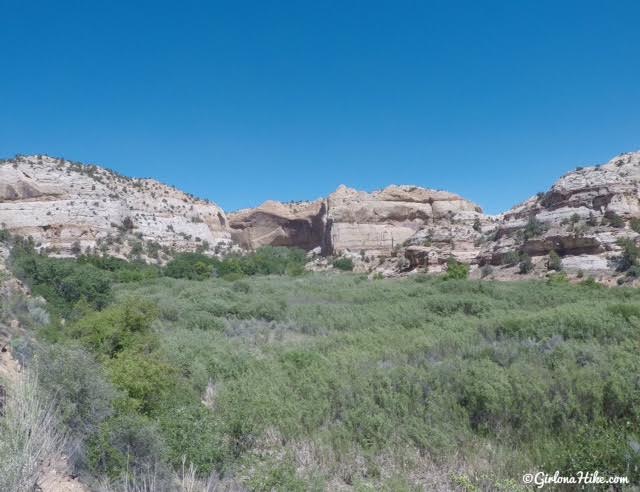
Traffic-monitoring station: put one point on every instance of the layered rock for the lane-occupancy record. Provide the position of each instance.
(364, 224)
(63, 205)
(376, 223)
(277, 224)
(581, 218)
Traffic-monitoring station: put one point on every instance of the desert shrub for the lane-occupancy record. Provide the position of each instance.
(78, 383)
(193, 266)
(557, 278)
(629, 256)
(349, 379)
(477, 225)
(30, 435)
(145, 381)
(613, 219)
(635, 224)
(486, 270)
(344, 264)
(114, 329)
(130, 443)
(554, 262)
(534, 228)
(62, 282)
(526, 265)
(511, 258)
(456, 270)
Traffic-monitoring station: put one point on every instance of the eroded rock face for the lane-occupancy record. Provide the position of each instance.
(277, 224)
(60, 204)
(351, 221)
(63, 206)
(377, 223)
(582, 217)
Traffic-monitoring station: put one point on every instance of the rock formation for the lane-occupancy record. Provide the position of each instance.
(277, 224)
(581, 218)
(65, 206)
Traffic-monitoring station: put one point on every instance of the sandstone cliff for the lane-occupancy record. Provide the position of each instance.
(68, 207)
(277, 224)
(581, 218)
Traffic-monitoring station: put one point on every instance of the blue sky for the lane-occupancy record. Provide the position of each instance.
(241, 101)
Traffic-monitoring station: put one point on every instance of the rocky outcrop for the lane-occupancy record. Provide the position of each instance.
(581, 218)
(377, 223)
(277, 224)
(65, 206)
(365, 224)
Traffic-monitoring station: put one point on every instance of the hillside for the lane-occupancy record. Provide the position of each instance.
(579, 226)
(69, 208)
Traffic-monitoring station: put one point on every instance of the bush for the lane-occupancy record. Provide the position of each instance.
(63, 282)
(30, 436)
(526, 265)
(614, 220)
(267, 260)
(456, 270)
(127, 442)
(554, 262)
(192, 266)
(344, 264)
(630, 255)
(78, 383)
(534, 228)
(115, 329)
(635, 224)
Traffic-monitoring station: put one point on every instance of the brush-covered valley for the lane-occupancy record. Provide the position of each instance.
(249, 373)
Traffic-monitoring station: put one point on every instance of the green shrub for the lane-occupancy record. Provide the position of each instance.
(114, 329)
(511, 258)
(613, 219)
(534, 228)
(554, 262)
(344, 264)
(630, 254)
(130, 443)
(78, 384)
(456, 270)
(526, 265)
(635, 224)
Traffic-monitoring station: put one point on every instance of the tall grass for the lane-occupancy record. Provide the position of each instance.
(29, 439)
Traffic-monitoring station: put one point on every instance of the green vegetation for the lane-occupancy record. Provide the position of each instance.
(344, 264)
(265, 261)
(456, 270)
(554, 262)
(302, 382)
(614, 220)
(534, 228)
(630, 257)
(526, 265)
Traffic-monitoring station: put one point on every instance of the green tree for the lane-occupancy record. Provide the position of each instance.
(554, 262)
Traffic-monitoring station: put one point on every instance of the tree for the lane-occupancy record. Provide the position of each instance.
(477, 225)
(534, 228)
(526, 265)
(554, 262)
(456, 270)
(629, 256)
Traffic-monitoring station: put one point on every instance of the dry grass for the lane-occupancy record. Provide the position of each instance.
(185, 480)
(30, 442)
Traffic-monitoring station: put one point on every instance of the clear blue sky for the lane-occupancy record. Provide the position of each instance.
(242, 101)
